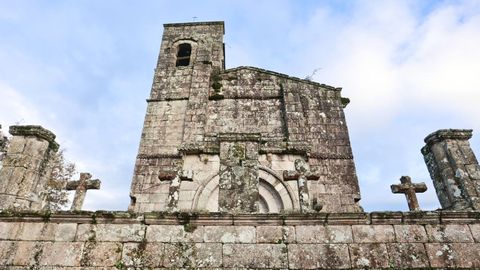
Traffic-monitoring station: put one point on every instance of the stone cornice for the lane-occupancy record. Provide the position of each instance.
(217, 219)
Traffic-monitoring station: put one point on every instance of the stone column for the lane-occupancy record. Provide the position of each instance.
(24, 173)
(453, 168)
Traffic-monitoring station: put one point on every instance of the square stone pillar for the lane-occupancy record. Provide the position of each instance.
(453, 168)
(24, 173)
(238, 183)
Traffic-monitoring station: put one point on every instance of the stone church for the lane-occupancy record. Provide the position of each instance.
(220, 139)
(239, 168)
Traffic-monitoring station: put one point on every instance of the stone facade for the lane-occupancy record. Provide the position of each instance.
(121, 240)
(238, 169)
(237, 131)
(24, 174)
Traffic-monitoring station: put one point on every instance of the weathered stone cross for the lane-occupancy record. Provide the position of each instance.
(302, 175)
(81, 186)
(409, 189)
(176, 177)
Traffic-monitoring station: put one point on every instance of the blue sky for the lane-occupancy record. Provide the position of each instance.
(83, 69)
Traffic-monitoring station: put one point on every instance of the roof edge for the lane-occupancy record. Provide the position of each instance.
(222, 23)
(283, 76)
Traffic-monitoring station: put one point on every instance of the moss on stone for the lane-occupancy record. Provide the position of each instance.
(345, 101)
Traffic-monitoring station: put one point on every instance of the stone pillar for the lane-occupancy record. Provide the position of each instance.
(453, 168)
(238, 183)
(24, 173)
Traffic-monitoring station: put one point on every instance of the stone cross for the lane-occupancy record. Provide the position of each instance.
(176, 177)
(409, 189)
(81, 186)
(302, 174)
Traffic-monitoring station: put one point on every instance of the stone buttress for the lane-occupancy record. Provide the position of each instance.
(228, 140)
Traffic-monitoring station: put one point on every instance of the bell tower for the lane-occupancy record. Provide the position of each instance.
(189, 54)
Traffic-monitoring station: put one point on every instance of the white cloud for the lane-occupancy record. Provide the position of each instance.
(407, 72)
(15, 108)
(442, 70)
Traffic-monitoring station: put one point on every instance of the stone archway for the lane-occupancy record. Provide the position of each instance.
(274, 194)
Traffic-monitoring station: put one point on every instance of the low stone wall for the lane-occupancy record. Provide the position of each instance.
(121, 240)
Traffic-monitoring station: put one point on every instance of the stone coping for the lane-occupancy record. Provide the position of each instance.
(223, 219)
(444, 134)
(37, 131)
(195, 24)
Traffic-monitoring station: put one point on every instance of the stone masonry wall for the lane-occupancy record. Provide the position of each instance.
(287, 109)
(105, 240)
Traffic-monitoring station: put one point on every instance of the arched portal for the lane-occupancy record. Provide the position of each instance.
(274, 194)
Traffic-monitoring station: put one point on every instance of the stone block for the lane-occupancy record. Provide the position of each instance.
(347, 218)
(454, 255)
(318, 256)
(301, 219)
(275, 234)
(459, 217)
(192, 255)
(229, 234)
(324, 234)
(174, 233)
(65, 231)
(475, 229)
(17, 145)
(386, 217)
(441, 255)
(7, 250)
(407, 255)
(410, 233)
(101, 254)
(86, 232)
(142, 255)
(61, 254)
(110, 232)
(255, 255)
(9, 230)
(369, 255)
(37, 231)
(468, 255)
(450, 233)
(27, 253)
(423, 217)
(373, 233)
